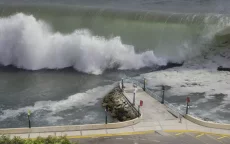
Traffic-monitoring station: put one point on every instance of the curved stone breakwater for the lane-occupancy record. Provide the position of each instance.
(118, 105)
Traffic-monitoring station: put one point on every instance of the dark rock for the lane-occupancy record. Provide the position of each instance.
(113, 114)
(170, 65)
(124, 118)
(104, 104)
(131, 115)
(220, 68)
(118, 106)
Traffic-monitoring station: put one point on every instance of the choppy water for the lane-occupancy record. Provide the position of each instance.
(213, 6)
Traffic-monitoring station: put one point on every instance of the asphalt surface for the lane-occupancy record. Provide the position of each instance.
(158, 138)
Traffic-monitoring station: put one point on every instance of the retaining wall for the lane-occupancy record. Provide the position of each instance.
(70, 127)
(207, 124)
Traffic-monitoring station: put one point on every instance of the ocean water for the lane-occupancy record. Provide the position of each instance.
(58, 58)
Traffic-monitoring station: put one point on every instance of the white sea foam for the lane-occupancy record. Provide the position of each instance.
(88, 98)
(200, 75)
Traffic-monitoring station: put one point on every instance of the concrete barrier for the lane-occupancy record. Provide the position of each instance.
(72, 127)
(207, 124)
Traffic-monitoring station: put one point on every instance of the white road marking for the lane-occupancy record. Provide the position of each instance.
(143, 139)
(119, 138)
(221, 137)
(155, 141)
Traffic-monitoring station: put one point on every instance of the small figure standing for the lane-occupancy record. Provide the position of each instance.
(120, 84)
(135, 89)
(180, 118)
(134, 94)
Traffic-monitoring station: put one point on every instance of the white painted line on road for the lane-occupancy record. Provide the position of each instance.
(221, 137)
(143, 139)
(200, 135)
(214, 139)
(178, 134)
(119, 138)
(155, 141)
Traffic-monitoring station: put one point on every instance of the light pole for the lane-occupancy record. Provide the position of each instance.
(163, 95)
(144, 84)
(106, 114)
(188, 101)
(29, 112)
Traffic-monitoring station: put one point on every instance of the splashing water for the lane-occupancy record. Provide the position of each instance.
(30, 44)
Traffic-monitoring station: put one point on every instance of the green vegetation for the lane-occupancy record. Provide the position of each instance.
(39, 140)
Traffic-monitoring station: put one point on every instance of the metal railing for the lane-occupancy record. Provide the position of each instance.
(171, 108)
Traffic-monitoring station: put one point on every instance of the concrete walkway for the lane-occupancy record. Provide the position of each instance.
(155, 117)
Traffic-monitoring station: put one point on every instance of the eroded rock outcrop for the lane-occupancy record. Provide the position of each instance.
(118, 105)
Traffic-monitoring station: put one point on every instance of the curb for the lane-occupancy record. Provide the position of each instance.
(143, 132)
(207, 123)
(114, 134)
(194, 131)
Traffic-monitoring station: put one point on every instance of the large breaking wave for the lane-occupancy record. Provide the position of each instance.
(30, 44)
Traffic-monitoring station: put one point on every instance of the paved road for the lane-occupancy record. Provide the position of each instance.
(159, 138)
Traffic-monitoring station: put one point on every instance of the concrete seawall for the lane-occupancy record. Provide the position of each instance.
(73, 127)
(70, 127)
(207, 124)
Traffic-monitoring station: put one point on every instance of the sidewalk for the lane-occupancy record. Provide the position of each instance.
(155, 117)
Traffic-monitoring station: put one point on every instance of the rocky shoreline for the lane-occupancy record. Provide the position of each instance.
(118, 106)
